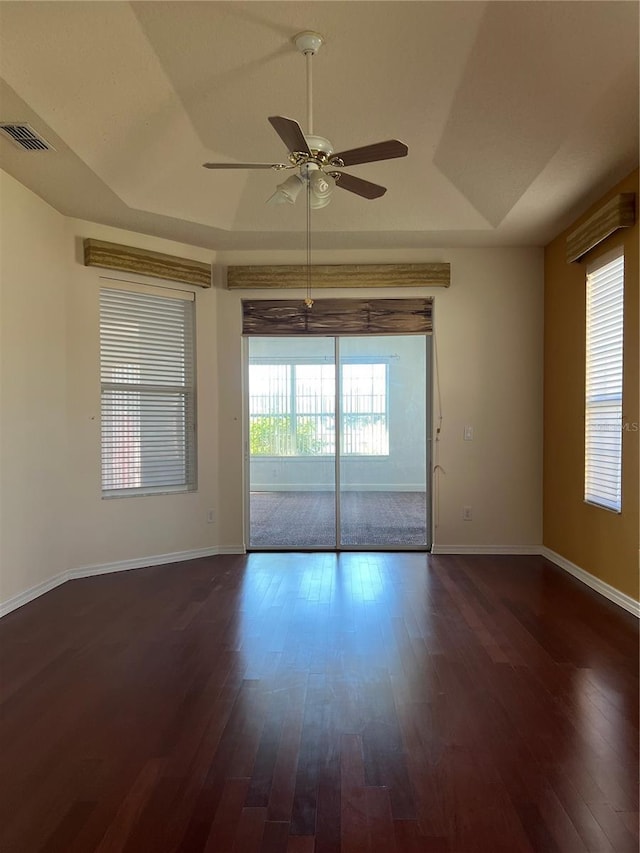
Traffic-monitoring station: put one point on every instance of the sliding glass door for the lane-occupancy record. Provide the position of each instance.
(292, 440)
(383, 441)
(337, 442)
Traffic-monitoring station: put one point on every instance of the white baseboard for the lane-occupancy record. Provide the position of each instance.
(33, 592)
(140, 563)
(108, 568)
(605, 589)
(486, 549)
(620, 598)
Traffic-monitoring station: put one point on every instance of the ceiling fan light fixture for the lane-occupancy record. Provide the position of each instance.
(322, 186)
(288, 191)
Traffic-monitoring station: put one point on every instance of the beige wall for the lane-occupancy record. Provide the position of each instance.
(488, 332)
(598, 541)
(489, 347)
(53, 517)
(33, 383)
(107, 531)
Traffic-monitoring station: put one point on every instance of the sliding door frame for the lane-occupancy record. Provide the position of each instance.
(246, 478)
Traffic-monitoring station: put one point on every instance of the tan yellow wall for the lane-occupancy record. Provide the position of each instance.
(598, 541)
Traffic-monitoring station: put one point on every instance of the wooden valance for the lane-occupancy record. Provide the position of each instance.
(113, 256)
(337, 317)
(339, 275)
(618, 212)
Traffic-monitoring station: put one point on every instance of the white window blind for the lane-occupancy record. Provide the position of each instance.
(147, 392)
(603, 398)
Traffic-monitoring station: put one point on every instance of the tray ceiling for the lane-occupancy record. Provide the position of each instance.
(516, 114)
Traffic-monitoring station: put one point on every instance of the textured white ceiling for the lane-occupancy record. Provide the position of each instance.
(516, 114)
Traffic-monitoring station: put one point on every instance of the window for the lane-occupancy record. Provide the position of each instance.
(364, 409)
(292, 409)
(147, 392)
(603, 392)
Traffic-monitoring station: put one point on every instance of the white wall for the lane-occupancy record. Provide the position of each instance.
(489, 342)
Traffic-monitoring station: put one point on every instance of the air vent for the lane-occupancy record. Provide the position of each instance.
(25, 137)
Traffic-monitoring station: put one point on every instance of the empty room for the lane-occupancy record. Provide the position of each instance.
(319, 445)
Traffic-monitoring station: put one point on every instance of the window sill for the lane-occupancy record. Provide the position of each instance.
(147, 493)
(610, 509)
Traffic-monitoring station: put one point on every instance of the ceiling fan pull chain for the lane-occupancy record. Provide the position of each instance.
(308, 302)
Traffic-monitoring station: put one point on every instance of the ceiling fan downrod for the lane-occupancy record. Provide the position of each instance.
(308, 43)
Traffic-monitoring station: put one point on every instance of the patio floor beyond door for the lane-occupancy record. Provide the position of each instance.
(307, 519)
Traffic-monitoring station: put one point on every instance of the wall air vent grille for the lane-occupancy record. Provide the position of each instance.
(24, 136)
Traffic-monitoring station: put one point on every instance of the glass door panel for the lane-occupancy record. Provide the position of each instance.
(292, 443)
(384, 422)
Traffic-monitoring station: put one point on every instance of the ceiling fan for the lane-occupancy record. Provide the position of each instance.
(313, 157)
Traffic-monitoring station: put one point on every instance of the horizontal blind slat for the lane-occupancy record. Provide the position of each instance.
(148, 399)
(603, 384)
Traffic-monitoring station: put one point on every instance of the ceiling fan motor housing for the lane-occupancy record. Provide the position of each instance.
(318, 145)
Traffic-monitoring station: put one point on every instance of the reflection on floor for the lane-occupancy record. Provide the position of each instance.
(292, 703)
(308, 519)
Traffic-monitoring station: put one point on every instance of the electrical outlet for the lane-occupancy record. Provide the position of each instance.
(468, 433)
(467, 513)
(210, 516)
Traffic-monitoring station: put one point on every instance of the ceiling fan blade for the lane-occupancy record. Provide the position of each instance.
(275, 166)
(290, 133)
(370, 153)
(357, 185)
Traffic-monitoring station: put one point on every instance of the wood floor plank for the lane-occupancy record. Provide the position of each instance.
(250, 831)
(118, 831)
(301, 844)
(227, 818)
(632, 821)
(275, 838)
(382, 838)
(321, 703)
(67, 830)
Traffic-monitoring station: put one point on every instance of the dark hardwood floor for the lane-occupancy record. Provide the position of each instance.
(290, 703)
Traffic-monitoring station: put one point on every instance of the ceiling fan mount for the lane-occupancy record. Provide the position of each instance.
(308, 41)
(314, 156)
